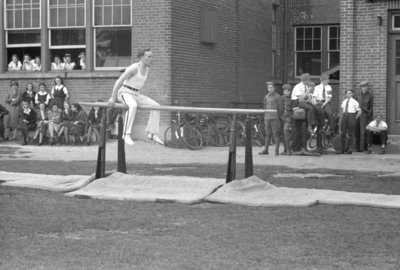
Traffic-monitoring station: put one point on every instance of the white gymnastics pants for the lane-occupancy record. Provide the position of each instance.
(133, 101)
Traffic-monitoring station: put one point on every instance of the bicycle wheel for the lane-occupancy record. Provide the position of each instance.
(326, 140)
(312, 142)
(172, 137)
(192, 137)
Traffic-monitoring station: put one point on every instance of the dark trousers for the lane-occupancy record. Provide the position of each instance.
(309, 112)
(360, 132)
(272, 129)
(25, 129)
(347, 128)
(300, 135)
(286, 135)
(328, 111)
(1, 128)
(377, 137)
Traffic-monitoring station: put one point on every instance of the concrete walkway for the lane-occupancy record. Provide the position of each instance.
(150, 153)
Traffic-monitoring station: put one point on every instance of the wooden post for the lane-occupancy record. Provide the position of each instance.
(248, 155)
(121, 145)
(101, 156)
(231, 171)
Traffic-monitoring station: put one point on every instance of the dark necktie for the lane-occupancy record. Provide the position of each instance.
(346, 109)
(323, 94)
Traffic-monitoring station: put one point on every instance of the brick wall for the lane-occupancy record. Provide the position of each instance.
(364, 48)
(235, 67)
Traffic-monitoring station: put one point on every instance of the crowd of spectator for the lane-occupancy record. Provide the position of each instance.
(48, 116)
(64, 64)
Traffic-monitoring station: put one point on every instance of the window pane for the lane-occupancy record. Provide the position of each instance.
(317, 32)
(334, 59)
(396, 21)
(113, 47)
(397, 66)
(317, 45)
(63, 37)
(19, 37)
(333, 32)
(62, 17)
(27, 18)
(308, 62)
(107, 16)
(18, 17)
(308, 45)
(309, 33)
(117, 16)
(333, 45)
(71, 21)
(299, 33)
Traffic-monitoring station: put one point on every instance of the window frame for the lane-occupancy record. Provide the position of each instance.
(95, 54)
(392, 24)
(64, 27)
(111, 25)
(55, 47)
(6, 28)
(307, 51)
(328, 39)
(20, 44)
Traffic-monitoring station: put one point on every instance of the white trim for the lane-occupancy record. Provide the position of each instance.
(24, 45)
(22, 28)
(66, 18)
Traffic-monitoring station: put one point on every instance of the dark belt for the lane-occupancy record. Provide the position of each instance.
(130, 88)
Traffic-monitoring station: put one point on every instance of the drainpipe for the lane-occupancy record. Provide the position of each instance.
(285, 39)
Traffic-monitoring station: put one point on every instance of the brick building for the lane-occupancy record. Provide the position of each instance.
(213, 53)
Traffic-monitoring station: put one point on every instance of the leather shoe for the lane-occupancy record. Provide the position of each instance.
(264, 152)
(128, 140)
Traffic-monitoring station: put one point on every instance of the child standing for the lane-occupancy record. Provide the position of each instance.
(287, 118)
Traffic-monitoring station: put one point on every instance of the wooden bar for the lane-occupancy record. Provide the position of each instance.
(182, 109)
(248, 154)
(101, 156)
(231, 170)
(121, 145)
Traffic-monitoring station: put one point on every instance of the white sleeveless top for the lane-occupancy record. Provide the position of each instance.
(138, 80)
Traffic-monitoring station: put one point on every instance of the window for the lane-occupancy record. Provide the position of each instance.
(22, 14)
(112, 39)
(22, 24)
(66, 23)
(308, 48)
(333, 46)
(396, 22)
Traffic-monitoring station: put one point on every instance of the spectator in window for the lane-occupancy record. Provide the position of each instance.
(29, 95)
(57, 64)
(79, 122)
(59, 93)
(37, 64)
(42, 117)
(66, 121)
(27, 122)
(68, 65)
(94, 122)
(81, 63)
(3, 112)
(13, 100)
(15, 64)
(42, 96)
(54, 124)
(27, 64)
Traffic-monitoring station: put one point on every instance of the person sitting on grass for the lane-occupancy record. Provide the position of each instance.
(94, 121)
(42, 117)
(54, 124)
(377, 133)
(79, 123)
(66, 122)
(27, 122)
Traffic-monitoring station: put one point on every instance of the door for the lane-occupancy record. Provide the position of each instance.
(393, 115)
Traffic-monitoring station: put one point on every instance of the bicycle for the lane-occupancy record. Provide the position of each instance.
(327, 134)
(182, 133)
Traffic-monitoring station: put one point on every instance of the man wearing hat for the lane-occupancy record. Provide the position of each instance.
(300, 95)
(366, 101)
(351, 111)
(272, 122)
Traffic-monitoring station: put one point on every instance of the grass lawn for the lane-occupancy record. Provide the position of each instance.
(47, 230)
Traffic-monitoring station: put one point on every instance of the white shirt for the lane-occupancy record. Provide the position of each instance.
(138, 80)
(318, 94)
(58, 87)
(382, 124)
(69, 66)
(354, 106)
(299, 90)
(12, 66)
(55, 66)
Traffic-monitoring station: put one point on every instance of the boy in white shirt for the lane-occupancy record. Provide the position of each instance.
(377, 132)
(351, 111)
